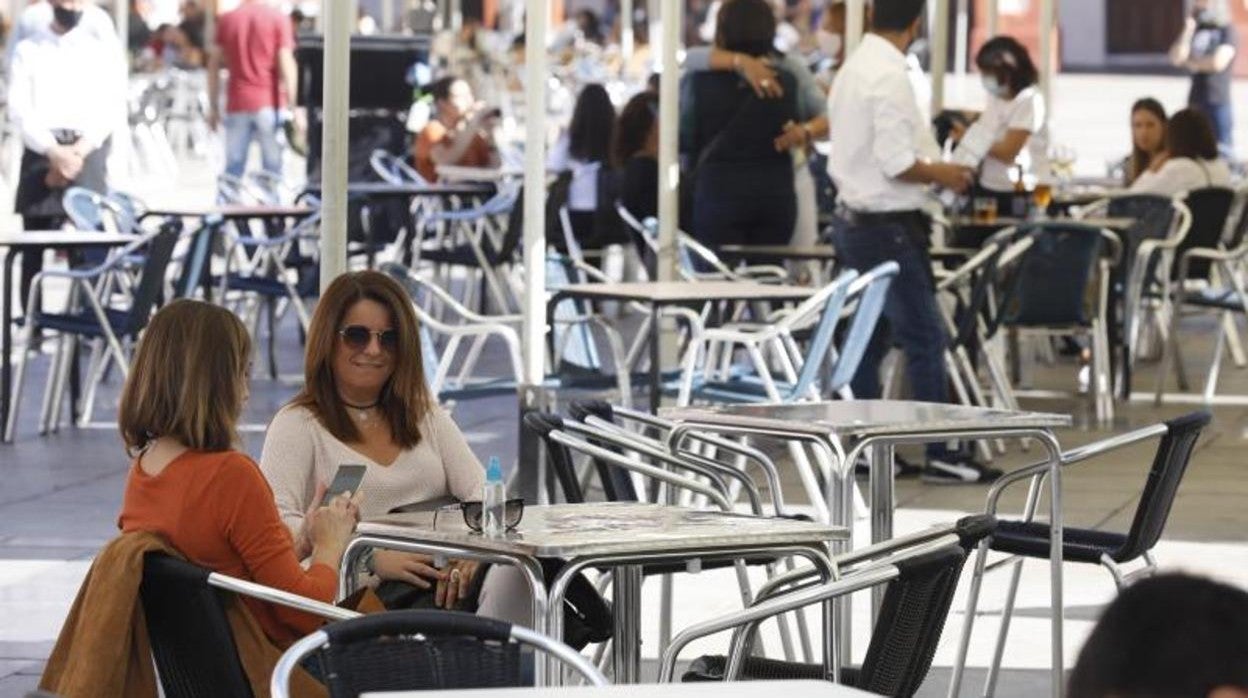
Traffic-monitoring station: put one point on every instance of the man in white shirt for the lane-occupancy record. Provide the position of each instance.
(67, 93)
(36, 19)
(883, 161)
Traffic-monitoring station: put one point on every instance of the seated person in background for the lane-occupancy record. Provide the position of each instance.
(1009, 141)
(460, 133)
(635, 152)
(190, 486)
(1190, 161)
(1148, 138)
(1173, 635)
(587, 184)
(365, 401)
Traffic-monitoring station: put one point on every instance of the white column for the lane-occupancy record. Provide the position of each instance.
(121, 17)
(963, 39)
(855, 20)
(1048, 14)
(533, 330)
(626, 31)
(994, 17)
(671, 18)
(387, 16)
(940, 54)
(338, 21)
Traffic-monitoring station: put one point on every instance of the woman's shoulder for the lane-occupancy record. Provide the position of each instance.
(295, 416)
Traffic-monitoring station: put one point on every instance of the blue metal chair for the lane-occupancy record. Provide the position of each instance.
(88, 315)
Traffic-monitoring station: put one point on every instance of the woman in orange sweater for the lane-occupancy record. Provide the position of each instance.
(188, 484)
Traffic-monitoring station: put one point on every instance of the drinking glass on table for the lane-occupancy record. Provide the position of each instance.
(984, 209)
(1042, 195)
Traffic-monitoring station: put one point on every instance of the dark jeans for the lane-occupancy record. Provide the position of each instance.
(911, 315)
(732, 215)
(1222, 116)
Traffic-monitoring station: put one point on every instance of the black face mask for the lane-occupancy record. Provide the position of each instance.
(67, 18)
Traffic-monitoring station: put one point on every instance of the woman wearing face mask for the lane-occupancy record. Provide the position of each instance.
(1148, 138)
(1009, 142)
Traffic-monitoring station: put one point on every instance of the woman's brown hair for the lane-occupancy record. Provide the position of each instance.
(405, 399)
(1190, 135)
(189, 379)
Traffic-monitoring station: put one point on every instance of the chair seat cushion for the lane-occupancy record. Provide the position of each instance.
(1220, 299)
(85, 324)
(256, 284)
(460, 256)
(1078, 544)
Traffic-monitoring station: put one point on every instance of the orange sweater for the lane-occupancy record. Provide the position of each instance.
(218, 511)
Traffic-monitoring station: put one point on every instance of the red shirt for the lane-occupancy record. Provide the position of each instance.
(218, 510)
(250, 38)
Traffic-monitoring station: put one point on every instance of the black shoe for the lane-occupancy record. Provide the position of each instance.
(901, 467)
(958, 470)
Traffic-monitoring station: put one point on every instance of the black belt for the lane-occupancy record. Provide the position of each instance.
(883, 218)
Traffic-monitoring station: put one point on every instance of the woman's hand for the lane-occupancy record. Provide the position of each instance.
(412, 568)
(303, 540)
(332, 526)
(760, 74)
(454, 589)
(794, 135)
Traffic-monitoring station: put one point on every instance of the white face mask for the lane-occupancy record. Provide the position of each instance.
(830, 44)
(995, 88)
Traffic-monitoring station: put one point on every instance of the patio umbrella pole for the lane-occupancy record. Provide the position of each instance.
(338, 21)
(529, 475)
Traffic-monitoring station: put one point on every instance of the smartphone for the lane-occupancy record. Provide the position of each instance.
(347, 479)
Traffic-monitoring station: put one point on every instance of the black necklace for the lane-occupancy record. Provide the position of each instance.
(362, 413)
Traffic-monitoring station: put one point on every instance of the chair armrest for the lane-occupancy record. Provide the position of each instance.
(282, 598)
(1071, 457)
(769, 609)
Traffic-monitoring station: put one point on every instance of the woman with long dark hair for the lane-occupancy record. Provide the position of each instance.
(1010, 140)
(1191, 160)
(1148, 138)
(582, 156)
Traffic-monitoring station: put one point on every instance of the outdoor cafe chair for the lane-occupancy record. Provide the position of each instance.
(1061, 288)
(184, 608)
(696, 262)
(422, 649)
(88, 314)
(921, 572)
(1029, 538)
(1208, 278)
(393, 169)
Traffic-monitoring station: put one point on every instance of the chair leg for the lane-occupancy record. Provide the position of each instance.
(19, 375)
(994, 670)
(57, 382)
(959, 387)
(95, 373)
(968, 622)
(1211, 379)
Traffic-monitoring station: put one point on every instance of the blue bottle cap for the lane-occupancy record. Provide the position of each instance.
(494, 470)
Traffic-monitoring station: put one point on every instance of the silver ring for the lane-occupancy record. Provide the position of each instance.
(455, 575)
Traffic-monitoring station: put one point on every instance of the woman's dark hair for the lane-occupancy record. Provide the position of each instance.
(633, 127)
(1008, 61)
(1140, 160)
(895, 15)
(440, 89)
(1172, 635)
(593, 123)
(1190, 135)
(746, 26)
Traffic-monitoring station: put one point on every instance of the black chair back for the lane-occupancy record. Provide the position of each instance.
(192, 643)
(913, 613)
(617, 485)
(151, 286)
(1173, 454)
(1051, 286)
(557, 455)
(1210, 207)
(418, 650)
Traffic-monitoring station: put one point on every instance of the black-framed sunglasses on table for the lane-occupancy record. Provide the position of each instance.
(473, 512)
(359, 336)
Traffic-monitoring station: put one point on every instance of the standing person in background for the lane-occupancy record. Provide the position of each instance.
(256, 47)
(883, 160)
(67, 93)
(36, 19)
(1148, 138)
(1206, 49)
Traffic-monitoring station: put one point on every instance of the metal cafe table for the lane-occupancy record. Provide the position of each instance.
(658, 294)
(846, 429)
(19, 243)
(619, 536)
(806, 688)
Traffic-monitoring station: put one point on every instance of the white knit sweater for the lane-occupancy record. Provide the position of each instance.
(299, 452)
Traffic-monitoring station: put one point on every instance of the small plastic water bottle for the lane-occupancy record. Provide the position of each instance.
(493, 500)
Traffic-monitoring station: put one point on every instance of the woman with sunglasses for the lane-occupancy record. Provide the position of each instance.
(365, 401)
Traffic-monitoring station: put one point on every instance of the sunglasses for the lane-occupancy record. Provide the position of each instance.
(513, 512)
(358, 336)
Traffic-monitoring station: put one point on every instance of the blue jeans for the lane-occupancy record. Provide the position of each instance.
(911, 315)
(1222, 117)
(241, 128)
